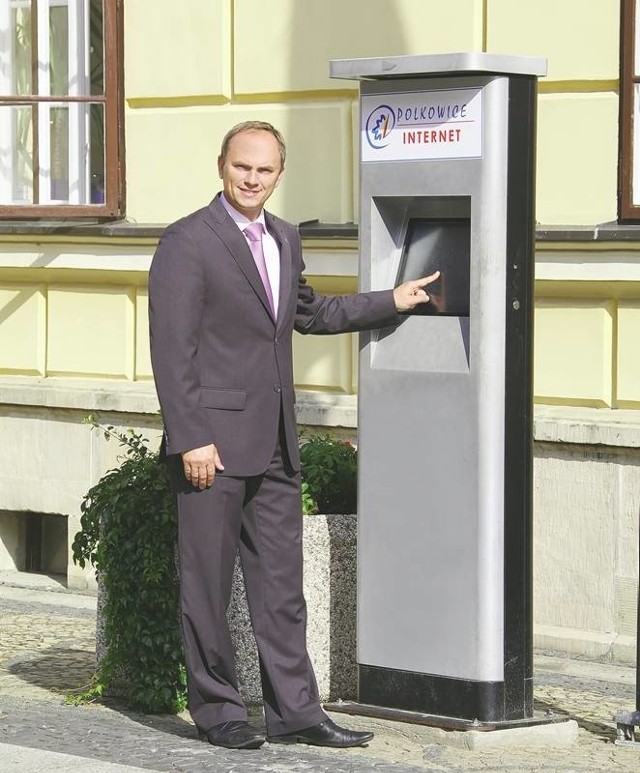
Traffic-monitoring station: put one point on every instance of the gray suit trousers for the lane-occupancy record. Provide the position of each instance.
(262, 516)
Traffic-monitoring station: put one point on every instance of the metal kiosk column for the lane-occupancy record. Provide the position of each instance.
(447, 171)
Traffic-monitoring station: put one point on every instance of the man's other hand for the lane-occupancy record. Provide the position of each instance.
(408, 295)
(200, 466)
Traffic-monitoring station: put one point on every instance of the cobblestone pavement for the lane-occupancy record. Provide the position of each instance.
(47, 643)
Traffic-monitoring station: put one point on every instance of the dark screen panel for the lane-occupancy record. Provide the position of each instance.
(444, 245)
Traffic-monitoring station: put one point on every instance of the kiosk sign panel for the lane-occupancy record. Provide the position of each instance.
(446, 123)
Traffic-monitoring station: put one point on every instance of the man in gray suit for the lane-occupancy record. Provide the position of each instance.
(226, 291)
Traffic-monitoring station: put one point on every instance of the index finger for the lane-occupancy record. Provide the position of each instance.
(427, 279)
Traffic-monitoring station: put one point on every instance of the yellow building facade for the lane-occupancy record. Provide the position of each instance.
(73, 297)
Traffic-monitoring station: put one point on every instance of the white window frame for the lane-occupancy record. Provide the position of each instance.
(78, 102)
(629, 152)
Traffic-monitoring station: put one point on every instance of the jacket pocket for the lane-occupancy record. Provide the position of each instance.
(226, 399)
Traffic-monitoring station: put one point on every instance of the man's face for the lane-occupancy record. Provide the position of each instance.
(251, 171)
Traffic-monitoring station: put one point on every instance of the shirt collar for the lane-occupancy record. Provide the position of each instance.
(242, 221)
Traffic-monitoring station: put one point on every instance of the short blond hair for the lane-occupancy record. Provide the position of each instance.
(252, 126)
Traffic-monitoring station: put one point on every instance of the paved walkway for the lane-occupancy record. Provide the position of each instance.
(47, 642)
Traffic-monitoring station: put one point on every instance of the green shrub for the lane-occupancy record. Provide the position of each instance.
(128, 532)
(329, 475)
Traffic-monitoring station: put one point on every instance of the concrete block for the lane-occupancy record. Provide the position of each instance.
(22, 334)
(628, 367)
(90, 331)
(579, 331)
(578, 45)
(575, 537)
(160, 31)
(586, 190)
(549, 735)
(303, 37)
(322, 362)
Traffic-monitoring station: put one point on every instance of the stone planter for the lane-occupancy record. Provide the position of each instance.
(329, 545)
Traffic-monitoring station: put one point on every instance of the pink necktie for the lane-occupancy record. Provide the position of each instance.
(253, 232)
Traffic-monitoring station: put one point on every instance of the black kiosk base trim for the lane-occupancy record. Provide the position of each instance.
(429, 695)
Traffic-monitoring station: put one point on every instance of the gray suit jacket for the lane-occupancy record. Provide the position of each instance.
(222, 365)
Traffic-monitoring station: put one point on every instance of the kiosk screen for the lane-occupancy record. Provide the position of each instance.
(439, 245)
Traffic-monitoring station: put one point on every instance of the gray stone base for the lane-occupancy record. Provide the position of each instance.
(557, 734)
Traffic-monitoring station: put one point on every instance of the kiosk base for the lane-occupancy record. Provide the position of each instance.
(468, 699)
(445, 723)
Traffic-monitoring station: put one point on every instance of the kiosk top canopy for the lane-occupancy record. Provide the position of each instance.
(422, 65)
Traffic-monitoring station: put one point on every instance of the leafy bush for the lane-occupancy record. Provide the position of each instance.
(129, 533)
(329, 475)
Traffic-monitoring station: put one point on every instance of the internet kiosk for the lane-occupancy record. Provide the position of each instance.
(447, 166)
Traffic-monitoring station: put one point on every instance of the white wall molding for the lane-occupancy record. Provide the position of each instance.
(552, 424)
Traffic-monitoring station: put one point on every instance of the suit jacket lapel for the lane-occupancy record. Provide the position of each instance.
(236, 244)
(285, 263)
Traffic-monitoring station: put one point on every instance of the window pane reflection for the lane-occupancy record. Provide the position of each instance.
(16, 158)
(20, 61)
(97, 154)
(59, 161)
(58, 50)
(96, 45)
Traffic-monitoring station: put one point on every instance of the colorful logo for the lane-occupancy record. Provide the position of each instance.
(379, 126)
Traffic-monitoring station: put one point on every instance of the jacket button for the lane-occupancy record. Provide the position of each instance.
(277, 389)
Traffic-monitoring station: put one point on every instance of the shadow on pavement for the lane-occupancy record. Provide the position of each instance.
(67, 672)
(605, 732)
(174, 724)
(58, 670)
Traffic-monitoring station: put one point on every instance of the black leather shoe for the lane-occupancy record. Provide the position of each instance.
(233, 735)
(327, 733)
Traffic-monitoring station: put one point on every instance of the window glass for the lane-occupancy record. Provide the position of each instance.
(59, 177)
(97, 153)
(96, 56)
(19, 54)
(59, 49)
(16, 160)
(636, 145)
